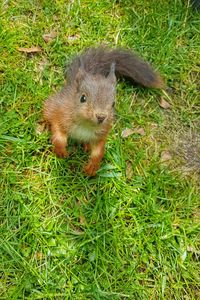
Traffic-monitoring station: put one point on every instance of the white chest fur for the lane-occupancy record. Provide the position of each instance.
(83, 132)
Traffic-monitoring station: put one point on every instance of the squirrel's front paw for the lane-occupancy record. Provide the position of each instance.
(61, 152)
(90, 169)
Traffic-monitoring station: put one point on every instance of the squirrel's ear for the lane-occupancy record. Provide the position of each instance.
(111, 76)
(81, 74)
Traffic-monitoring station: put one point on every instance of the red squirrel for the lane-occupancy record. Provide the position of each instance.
(84, 108)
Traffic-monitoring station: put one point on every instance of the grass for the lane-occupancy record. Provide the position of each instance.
(120, 235)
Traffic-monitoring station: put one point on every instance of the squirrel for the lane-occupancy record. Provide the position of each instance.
(84, 108)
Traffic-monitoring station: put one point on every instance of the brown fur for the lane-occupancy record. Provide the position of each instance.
(83, 109)
(127, 64)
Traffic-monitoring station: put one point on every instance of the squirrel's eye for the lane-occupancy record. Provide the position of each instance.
(83, 98)
(113, 105)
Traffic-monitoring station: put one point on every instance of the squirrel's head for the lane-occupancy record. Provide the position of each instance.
(95, 96)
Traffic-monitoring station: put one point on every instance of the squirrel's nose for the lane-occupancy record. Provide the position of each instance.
(100, 118)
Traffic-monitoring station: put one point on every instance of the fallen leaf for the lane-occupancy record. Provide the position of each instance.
(164, 104)
(40, 128)
(126, 132)
(73, 37)
(154, 126)
(48, 37)
(139, 131)
(129, 170)
(34, 49)
(165, 156)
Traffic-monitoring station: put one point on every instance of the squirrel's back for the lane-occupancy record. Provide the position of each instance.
(127, 64)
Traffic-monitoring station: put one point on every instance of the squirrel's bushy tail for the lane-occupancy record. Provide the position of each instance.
(127, 64)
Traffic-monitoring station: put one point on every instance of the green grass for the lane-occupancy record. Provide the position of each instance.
(116, 236)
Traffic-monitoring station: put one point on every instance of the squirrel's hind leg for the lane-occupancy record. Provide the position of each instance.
(59, 140)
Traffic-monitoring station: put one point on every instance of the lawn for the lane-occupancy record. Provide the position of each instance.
(131, 232)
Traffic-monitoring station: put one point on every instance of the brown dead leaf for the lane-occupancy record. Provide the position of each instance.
(165, 156)
(126, 132)
(48, 37)
(129, 170)
(154, 126)
(34, 49)
(164, 104)
(73, 37)
(139, 131)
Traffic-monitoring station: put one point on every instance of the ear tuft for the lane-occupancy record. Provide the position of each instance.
(111, 76)
(80, 74)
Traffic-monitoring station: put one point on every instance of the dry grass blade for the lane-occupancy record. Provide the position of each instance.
(164, 104)
(34, 49)
(129, 170)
